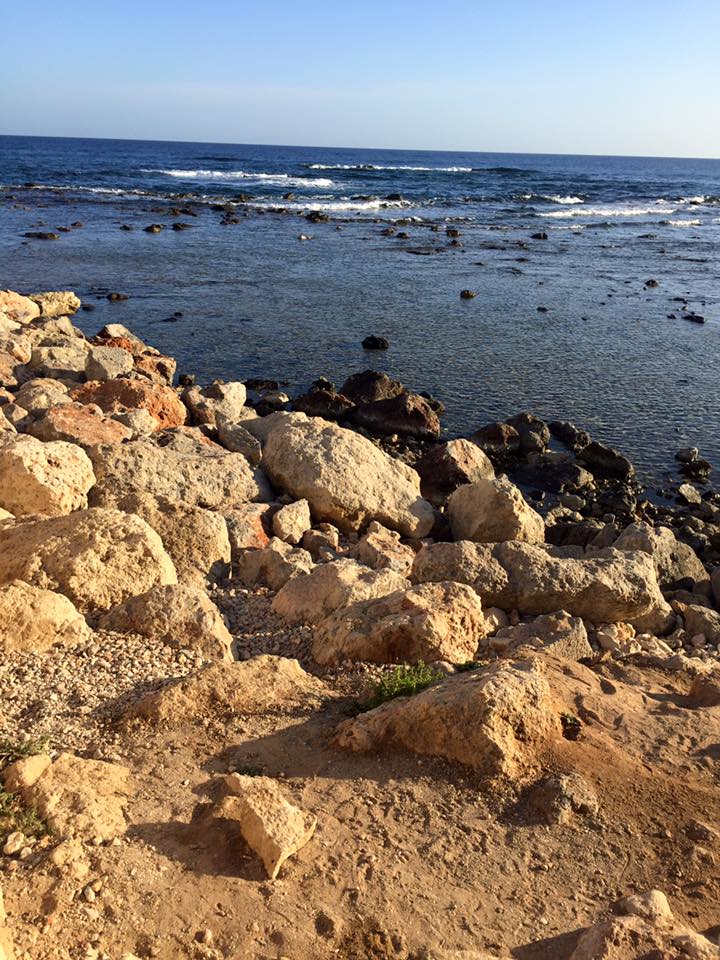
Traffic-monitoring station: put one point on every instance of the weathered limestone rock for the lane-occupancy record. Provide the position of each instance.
(494, 720)
(41, 394)
(433, 621)
(140, 423)
(219, 400)
(310, 597)
(196, 539)
(43, 478)
(202, 475)
(381, 549)
(558, 798)
(705, 690)
(345, 478)
(322, 541)
(77, 423)
(700, 619)
(18, 308)
(25, 772)
(63, 362)
(95, 557)
(450, 465)
(270, 825)
(107, 363)
(258, 686)
(247, 527)
(119, 396)
(33, 619)
(408, 414)
(17, 347)
(181, 615)
(291, 521)
(235, 437)
(673, 559)
(272, 566)
(491, 511)
(56, 303)
(81, 798)
(561, 634)
(532, 579)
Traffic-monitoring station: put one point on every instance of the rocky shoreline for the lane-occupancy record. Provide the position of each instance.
(298, 658)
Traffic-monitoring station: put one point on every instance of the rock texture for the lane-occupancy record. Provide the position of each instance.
(450, 465)
(43, 478)
(77, 423)
(493, 510)
(35, 619)
(291, 521)
(118, 396)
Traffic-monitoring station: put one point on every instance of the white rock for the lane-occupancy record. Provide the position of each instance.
(43, 478)
(492, 510)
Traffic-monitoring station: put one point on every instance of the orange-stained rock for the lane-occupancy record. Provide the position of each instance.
(76, 423)
(159, 368)
(117, 396)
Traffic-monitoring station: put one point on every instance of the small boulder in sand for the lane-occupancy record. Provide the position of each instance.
(272, 566)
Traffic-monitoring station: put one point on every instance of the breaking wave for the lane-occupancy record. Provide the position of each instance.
(229, 176)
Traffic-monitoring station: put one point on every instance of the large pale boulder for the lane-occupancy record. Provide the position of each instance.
(346, 479)
(180, 615)
(273, 565)
(18, 308)
(494, 719)
(673, 559)
(65, 361)
(234, 436)
(198, 474)
(270, 825)
(33, 619)
(95, 557)
(43, 478)
(196, 538)
(41, 393)
(492, 510)
(218, 401)
(432, 621)
(310, 597)
(612, 586)
(447, 466)
(56, 303)
(381, 549)
(107, 363)
(262, 685)
(118, 396)
(559, 633)
(76, 423)
(700, 619)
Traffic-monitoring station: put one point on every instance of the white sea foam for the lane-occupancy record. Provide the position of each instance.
(228, 176)
(568, 200)
(681, 223)
(336, 206)
(604, 212)
(375, 166)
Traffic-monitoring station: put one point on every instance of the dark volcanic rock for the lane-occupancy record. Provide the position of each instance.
(41, 235)
(497, 440)
(407, 414)
(541, 235)
(467, 294)
(573, 437)
(605, 461)
(154, 228)
(371, 385)
(116, 297)
(534, 432)
(323, 402)
(373, 342)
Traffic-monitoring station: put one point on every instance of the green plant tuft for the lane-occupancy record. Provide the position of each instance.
(15, 816)
(402, 681)
(11, 750)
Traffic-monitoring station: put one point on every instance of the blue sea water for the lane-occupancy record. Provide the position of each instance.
(606, 351)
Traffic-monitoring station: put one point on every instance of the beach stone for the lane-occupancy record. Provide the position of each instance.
(19, 348)
(196, 539)
(407, 414)
(97, 558)
(43, 478)
(18, 308)
(224, 400)
(33, 619)
(432, 621)
(247, 527)
(323, 402)
(498, 440)
(569, 434)
(604, 461)
(559, 633)
(140, 423)
(271, 826)
(534, 433)
(179, 614)
(81, 798)
(370, 386)
(381, 549)
(448, 466)
(272, 566)
(77, 423)
(290, 522)
(673, 560)
(492, 510)
(107, 363)
(689, 494)
(118, 396)
(261, 685)
(184, 469)
(344, 477)
(235, 437)
(41, 394)
(513, 716)
(321, 541)
(64, 363)
(699, 619)
(612, 586)
(557, 799)
(56, 303)
(652, 905)
(314, 595)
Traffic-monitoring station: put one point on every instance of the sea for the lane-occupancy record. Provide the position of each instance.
(558, 251)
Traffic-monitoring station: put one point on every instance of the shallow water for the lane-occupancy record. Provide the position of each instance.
(256, 301)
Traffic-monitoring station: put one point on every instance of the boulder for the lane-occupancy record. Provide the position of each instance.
(494, 720)
(569, 434)
(273, 565)
(60, 362)
(77, 423)
(345, 478)
(432, 621)
(269, 824)
(118, 396)
(33, 619)
(322, 542)
(559, 633)
(492, 510)
(673, 560)
(381, 549)
(699, 619)
(323, 402)
(156, 367)
(312, 596)
(180, 615)
(534, 433)
(407, 414)
(448, 466)
(498, 440)
(291, 521)
(557, 799)
(95, 557)
(140, 423)
(247, 527)
(81, 798)
(262, 685)
(43, 478)
(18, 308)
(56, 303)
(195, 473)
(107, 363)
(41, 394)
(612, 586)
(605, 462)
(234, 437)
(370, 386)
(224, 401)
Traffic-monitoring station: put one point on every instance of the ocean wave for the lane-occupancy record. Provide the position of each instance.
(608, 212)
(335, 206)
(681, 223)
(220, 176)
(568, 200)
(375, 166)
(78, 188)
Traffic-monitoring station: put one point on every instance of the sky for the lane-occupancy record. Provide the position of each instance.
(546, 76)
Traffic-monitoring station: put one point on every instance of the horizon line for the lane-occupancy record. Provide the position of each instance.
(227, 143)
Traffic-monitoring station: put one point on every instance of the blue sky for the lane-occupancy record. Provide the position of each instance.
(565, 76)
